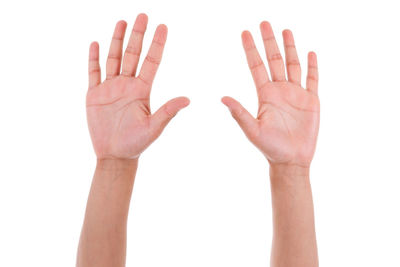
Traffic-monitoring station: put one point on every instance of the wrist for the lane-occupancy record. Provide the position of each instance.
(116, 164)
(289, 169)
(115, 175)
(111, 191)
(289, 174)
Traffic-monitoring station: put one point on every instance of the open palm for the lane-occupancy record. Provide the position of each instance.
(118, 110)
(286, 127)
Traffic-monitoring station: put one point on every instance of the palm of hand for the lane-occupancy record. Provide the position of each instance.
(120, 122)
(119, 118)
(286, 126)
(288, 120)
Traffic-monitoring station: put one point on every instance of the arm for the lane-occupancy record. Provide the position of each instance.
(294, 241)
(103, 237)
(285, 130)
(121, 127)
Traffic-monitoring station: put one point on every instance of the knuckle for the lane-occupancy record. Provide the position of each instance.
(152, 60)
(295, 63)
(114, 57)
(132, 51)
(256, 65)
(94, 70)
(312, 78)
(276, 56)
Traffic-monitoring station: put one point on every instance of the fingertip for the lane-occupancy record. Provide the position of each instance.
(141, 22)
(162, 28)
(179, 102)
(185, 101)
(288, 38)
(224, 99)
(312, 57)
(94, 45)
(312, 54)
(287, 33)
(119, 31)
(227, 101)
(122, 23)
(142, 17)
(266, 30)
(246, 36)
(94, 51)
(245, 33)
(247, 40)
(265, 25)
(161, 33)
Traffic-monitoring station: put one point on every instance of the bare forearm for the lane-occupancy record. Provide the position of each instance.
(294, 241)
(103, 237)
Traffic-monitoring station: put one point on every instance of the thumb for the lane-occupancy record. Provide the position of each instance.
(245, 120)
(167, 111)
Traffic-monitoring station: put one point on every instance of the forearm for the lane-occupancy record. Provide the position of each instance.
(103, 237)
(294, 240)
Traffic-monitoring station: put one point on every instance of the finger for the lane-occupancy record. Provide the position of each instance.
(292, 61)
(165, 113)
(245, 120)
(153, 58)
(312, 75)
(275, 62)
(256, 65)
(113, 64)
(134, 48)
(94, 66)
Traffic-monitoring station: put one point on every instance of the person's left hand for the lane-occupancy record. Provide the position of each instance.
(286, 127)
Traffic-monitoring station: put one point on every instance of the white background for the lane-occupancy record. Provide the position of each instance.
(201, 195)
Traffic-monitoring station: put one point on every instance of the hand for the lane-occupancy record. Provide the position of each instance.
(286, 127)
(118, 110)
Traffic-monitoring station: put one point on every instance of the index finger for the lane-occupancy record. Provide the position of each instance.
(256, 65)
(153, 58)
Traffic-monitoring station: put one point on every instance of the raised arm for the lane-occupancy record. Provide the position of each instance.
(121, 126)
(285, 130)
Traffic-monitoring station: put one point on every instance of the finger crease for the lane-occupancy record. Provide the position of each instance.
(118, 57)
(141, 79)
(94, 71)
(152, 60)
(250, 48)
(275, 57)
(279, 79)
(132, 51)
(125, 73)
(139, 32)
(269, 39)
(310, 77)
(256, 66)
(293, 63)
(157, 42)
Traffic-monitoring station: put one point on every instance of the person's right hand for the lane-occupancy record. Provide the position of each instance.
(118, 109)
(287, 123)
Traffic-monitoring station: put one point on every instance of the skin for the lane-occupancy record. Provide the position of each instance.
(285, 131)
(121, 127)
